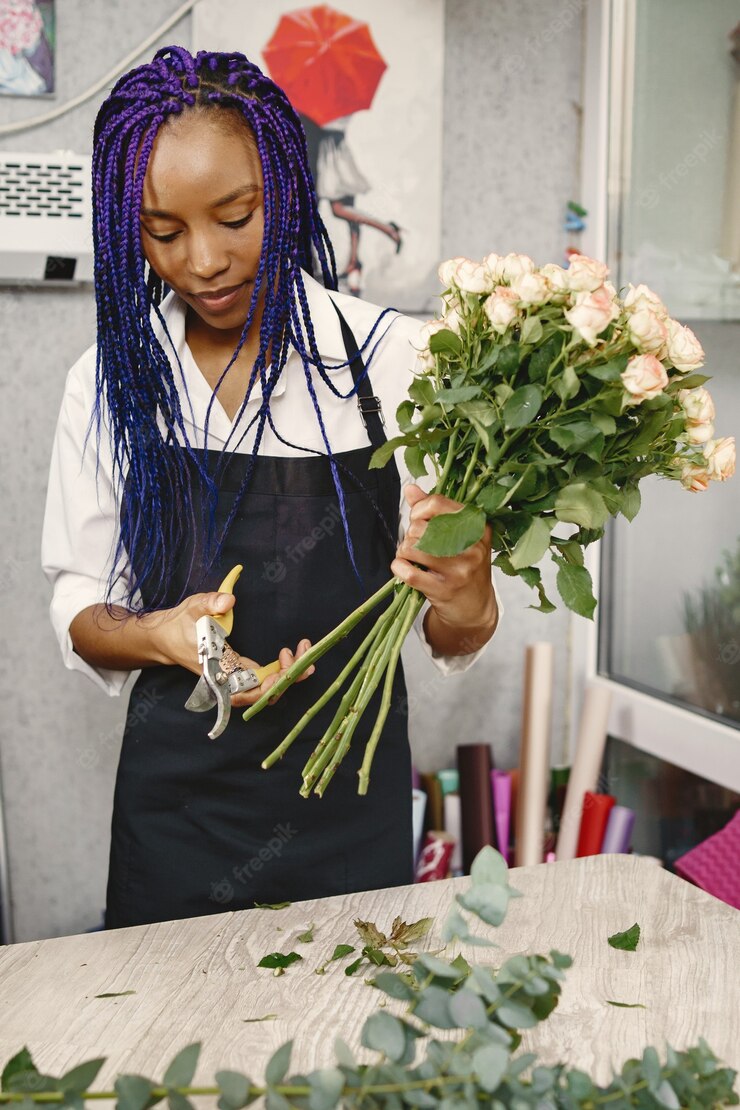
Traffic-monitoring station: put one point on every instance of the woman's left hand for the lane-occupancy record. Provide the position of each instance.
(459, 586)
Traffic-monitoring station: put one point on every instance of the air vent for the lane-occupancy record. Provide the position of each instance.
(45, 217)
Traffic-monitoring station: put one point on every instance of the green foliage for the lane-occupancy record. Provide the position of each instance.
(627, 940)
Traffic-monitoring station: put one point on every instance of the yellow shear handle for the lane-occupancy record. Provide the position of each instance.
(226, 620)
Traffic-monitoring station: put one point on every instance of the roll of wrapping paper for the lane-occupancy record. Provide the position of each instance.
(534, 763)
(501, 794)
(594, 817)
(584, 771)
(434, 817)
(418, 806)
(453, 826)
(618, 834)
(434, 858)
(474, 765)
(449, 780)
(558, 787)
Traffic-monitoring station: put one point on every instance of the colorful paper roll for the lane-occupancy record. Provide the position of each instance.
(584, 772)
(474, 765)
(418, 806)
(434, 858)
(618, 834)
(534, 762)
(501, 794)
(594, 816)
(434, 818)
(449, 780)
(453, 825)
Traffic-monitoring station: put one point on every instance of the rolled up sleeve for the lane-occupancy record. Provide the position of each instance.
(80, 522)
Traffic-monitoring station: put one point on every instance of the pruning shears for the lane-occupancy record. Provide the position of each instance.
(223, 674)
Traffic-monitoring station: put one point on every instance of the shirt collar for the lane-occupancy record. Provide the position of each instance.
(326, 328)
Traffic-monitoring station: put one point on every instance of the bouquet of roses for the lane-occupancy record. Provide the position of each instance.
(542, 398)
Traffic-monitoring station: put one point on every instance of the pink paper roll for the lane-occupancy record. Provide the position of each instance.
(501, 794)
(534, 763)
(584, 773)
(618, 834)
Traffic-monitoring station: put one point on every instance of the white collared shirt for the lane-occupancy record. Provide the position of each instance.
(81, 517)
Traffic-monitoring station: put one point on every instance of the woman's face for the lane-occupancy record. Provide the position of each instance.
(202, 215)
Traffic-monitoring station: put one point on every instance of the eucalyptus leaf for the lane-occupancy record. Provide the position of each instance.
(467, 1010)
(82, 1077)
(182, 1068)
(489, 866)
(486, 901)
(178, 1101)
(651, 1068)
(626, 941)
(384, 1033)
(392, 984)
(576, 589)
(326, 1088)
(344, 1054)
(433, 1006)
(533, 544)
(490, 1063)
(278, 1064)
(134, 1092)
(235, 1090)
(523, 406)
(450, 534)
(20, 1063)
(516, 1015)
(666, 1095)
(441, 969)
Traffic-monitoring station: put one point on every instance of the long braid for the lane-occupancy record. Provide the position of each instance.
(153, 458)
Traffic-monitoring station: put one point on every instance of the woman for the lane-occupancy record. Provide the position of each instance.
(228, 431)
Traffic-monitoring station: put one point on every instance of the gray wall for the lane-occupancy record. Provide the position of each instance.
(512, 85)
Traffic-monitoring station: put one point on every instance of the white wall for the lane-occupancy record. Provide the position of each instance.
(512, 87)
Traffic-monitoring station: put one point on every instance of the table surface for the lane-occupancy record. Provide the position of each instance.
(198, 980)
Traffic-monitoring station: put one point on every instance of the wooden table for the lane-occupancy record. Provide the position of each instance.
(197, 980)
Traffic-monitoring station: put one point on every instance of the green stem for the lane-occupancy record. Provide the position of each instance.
(448, 461)
(412, 606)
(460, 496)
(329, 693)
(374, 672)
(319, 649)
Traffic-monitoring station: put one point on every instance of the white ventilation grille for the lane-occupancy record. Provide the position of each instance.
(36, 189)
(45, 218)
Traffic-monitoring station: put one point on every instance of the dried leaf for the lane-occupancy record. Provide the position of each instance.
(114, 994)
(402, 935)
(371, 934)
(265, 1017)
(626, 1005)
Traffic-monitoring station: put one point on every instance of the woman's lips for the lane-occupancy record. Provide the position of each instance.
(221, 302)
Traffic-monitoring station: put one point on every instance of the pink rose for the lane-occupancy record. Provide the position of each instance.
(639, 297)
(557, 280)
(647, 331)
(592, 313)
(447, 270)
(472, 277)
(426, 331)
(532, 288)
(697, 404)
(454, 320)
(699, 433)
(585, 274)
(513, 266)
(495, 266)
(682, 349)
(694, 478)
(501, 308)
(644, 377)
(720, 456)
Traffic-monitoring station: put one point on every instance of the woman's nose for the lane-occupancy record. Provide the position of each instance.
(205, 257)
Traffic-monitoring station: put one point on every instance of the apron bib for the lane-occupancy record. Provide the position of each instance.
(198, 827)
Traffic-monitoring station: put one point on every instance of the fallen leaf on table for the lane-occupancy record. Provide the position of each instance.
(626, 1005)
(271, 905)
(265, 1017)
(114, 994)
(626, 941)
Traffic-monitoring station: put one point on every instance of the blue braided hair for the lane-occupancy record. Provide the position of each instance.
(135, 379)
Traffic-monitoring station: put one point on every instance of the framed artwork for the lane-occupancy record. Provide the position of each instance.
(366, 79)
(27, 37)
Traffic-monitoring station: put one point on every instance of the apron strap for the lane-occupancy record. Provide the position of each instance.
(369, 405)
(372, 417)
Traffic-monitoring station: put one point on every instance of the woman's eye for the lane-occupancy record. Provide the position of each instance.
(164, 238)
(239, 223)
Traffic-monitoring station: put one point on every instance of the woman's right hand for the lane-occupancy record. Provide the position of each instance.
(173, 633)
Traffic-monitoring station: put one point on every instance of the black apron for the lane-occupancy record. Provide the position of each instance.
(198, 827)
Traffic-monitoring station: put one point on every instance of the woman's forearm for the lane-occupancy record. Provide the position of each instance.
(119, 640)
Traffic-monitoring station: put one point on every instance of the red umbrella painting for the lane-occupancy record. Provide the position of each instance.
(326, 62)
(329, 67)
